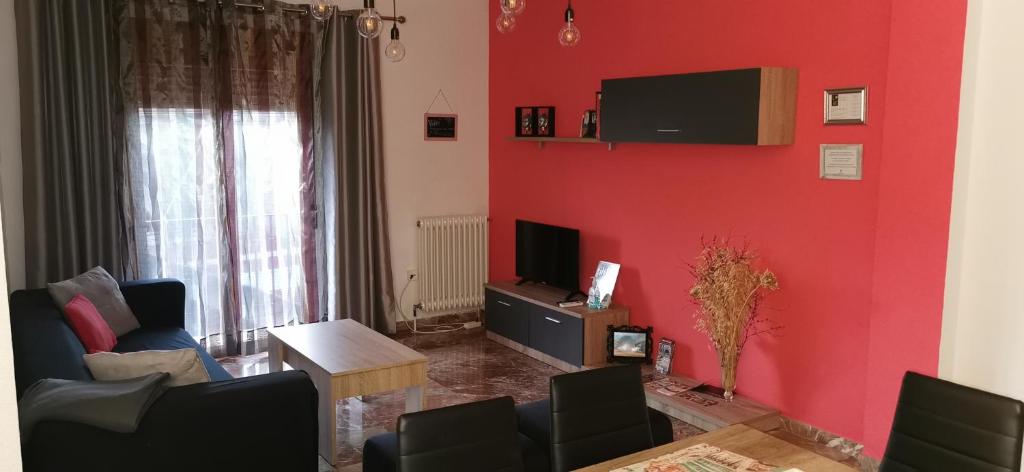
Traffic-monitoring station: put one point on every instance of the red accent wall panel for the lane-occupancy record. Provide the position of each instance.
(647, 206)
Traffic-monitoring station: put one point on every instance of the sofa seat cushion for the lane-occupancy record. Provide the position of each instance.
(169, 339)
(380, 454)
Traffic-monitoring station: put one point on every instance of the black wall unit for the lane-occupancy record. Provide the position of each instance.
(746, 106)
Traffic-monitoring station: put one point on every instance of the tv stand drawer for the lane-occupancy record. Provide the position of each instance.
(506, 316)
(557, 335)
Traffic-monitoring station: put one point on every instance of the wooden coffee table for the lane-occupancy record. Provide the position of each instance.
(346, 359)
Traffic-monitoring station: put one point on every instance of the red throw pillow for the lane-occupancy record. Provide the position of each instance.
(89, 326)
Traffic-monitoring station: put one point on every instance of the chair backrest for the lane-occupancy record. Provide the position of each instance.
(597, 415)
(472, 437)
(941, 425)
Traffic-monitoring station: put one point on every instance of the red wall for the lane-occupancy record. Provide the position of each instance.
(839, 248)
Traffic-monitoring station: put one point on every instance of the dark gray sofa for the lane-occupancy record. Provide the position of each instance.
(266, 422)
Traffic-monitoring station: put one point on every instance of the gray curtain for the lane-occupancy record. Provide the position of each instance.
(71, 139)
(359, 282)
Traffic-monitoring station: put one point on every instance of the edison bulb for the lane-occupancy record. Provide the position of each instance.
(513, 7)
(369, 23)
(395, 50)
(506, 22)
(321, 9)
(569, 35)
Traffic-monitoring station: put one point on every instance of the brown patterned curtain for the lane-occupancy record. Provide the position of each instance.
(221, 191)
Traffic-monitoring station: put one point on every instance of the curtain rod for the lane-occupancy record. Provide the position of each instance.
(304, 11)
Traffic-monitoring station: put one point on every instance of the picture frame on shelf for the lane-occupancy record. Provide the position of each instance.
(525, 124)
(666, 350)
(630, 344)
(545, 121)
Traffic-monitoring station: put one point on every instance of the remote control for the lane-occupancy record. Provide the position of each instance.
(570, 304)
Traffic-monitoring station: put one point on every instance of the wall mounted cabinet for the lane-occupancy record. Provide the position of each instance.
(746, 106)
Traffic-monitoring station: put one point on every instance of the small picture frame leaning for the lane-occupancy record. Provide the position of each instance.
(630, 344)
(666, 350)
(846, 106)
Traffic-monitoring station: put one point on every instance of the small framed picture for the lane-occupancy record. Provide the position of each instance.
(545, 121)
(666, 349)
(437, 127)
(846, 106)
(630, 344)
(525, 125)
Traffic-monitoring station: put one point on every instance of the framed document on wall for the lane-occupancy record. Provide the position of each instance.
(846, 106)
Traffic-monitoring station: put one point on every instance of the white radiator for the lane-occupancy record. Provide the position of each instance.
(451, 253)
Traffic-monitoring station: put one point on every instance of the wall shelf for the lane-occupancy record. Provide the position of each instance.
(541, 140)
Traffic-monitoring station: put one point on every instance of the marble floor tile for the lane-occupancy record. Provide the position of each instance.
(462, 367)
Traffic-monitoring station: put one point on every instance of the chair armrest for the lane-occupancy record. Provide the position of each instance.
(156, 302)
(266, 422)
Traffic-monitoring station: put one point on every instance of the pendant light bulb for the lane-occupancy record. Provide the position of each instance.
(321, 10)
(395, 50)
(506, 22)
(369, 23)
(513, 7)
(569, 35)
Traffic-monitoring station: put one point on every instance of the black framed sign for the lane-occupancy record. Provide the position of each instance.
(440, 127)
(632, 344)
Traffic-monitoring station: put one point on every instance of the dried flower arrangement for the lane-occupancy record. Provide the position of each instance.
(728, 291)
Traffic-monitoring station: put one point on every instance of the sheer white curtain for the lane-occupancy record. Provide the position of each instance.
(219, 174)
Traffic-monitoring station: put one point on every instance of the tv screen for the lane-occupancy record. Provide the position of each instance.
(548, 254)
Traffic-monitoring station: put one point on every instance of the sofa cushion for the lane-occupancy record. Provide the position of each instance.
(183, 365)
(103, 291)
(92, 330)
(43, 343)
(169, 339)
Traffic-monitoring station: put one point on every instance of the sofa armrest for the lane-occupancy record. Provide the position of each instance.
(266, 422)
(156, 302)
(269, 421)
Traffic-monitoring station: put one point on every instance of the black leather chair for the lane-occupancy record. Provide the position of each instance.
(472, 437)
(942, 426)
(593, 416)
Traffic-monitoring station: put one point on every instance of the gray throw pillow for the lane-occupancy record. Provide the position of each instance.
(101, 289)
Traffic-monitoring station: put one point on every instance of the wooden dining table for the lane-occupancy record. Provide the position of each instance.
(739, 439)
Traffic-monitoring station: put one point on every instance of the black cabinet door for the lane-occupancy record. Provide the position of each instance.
(557, 334)
(708, 107)
(507, 316)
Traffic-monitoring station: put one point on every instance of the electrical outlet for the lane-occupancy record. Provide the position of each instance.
(410, 274)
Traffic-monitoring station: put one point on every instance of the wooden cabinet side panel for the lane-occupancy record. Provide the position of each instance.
(595, 335)
(777, 110)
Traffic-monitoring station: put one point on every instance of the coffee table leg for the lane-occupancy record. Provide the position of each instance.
(328, 417)
(415, 400)
(275, 354)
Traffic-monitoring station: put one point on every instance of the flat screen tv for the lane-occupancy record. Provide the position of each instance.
(548, 254)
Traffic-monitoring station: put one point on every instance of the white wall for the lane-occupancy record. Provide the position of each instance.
(984, 308)
(10, 150)
(10, 454)
(447, 44)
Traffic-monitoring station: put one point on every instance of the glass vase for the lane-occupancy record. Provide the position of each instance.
(728, 363)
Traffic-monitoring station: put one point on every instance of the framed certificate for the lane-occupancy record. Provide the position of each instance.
(846, 106)
(842, 161)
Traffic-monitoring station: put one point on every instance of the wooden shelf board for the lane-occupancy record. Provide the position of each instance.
(541, 140)
(741, 410)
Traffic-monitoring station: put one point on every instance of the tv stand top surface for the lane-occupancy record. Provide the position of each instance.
(549, 297)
